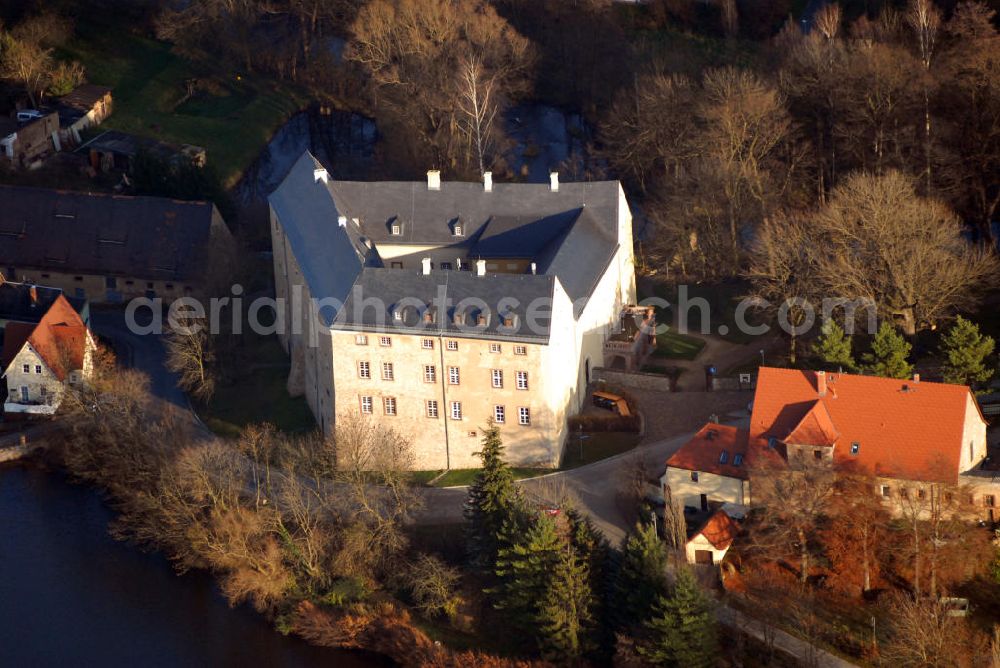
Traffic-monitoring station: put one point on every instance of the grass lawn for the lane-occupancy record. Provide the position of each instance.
(598, 446)
(672, 345)
(258, 395)
(232, 122)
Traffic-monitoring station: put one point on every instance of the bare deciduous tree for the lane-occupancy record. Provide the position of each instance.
(191, 355)
(479, 106)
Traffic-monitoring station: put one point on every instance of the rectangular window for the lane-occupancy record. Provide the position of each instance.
(430, 374)
(427, 344)
(387, 373)
(366, 405)
(446, 266)
(694, 476)
(396, 230)
(26, 368)
(395, 265)
(389, 404)
(497, 375)
(817, 455)
(520, 350)
(453, 345)
(886, 491)
(499, 414)
(385, 341)
(453, 376)
(855, 447)
(361, 339)
(989, 500)
(723, 457)
(494, 347)
(524, 415)
(522, 380)
(432, 408)
(364, 370)
(38, 368)
(737, 460)
(456, 410)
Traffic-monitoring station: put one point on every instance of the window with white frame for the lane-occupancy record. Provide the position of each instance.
(389, 404)
(453, 345)
(886, 490)
(427, 344)
(522, 380)
(524, 415)
(366, 405)
(432, 408)
(430, 373)
(387, 373)
(497, 375)
(456, 410)
(38, 368)
(364, 370)
(26, 368)
(520, 350)
(499, 414)
(453, 375)
(385, 341)
(396, 229)
(361, 339)
(494, 347)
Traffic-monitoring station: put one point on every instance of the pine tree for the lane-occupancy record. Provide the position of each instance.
(641, 576)
(682, 628)
(833, 347)
(564, 620)
(965, 350)
(493, 500)
(593, 549)
(889, 354)
(526, 558)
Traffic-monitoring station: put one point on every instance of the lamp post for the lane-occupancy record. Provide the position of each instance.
(762, 357)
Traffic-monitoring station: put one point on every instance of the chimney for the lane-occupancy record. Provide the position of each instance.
(480, 267)
(320, 174)
(554, 181)
(488, 181)
(916, 378)
(433, 179)
(342, 221)
(821, 383)
(534, 267)
(426, 265)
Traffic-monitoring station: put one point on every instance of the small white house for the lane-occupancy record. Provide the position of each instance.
(710, 468)
(38, 360)
(709, 544)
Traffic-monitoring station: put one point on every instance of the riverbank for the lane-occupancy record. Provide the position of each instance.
(72, 594)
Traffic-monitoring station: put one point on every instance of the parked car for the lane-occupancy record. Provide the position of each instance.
(28, 115)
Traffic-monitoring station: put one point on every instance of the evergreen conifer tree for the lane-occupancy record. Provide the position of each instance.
(833, 347)
(889, 354)
(681, 631)
(564, 622)
(965, 350)
(493, 500)
(528, 555)
(641, 576)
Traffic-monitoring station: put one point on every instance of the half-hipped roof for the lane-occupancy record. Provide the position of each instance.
(904, 429)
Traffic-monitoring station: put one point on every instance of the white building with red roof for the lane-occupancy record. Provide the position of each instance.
(38, 360)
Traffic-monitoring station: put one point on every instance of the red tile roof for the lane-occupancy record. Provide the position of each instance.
(720, 529)
(704, 451)
(904, 429)
(59, 338)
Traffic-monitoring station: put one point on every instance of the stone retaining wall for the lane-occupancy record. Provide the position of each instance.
(638, 380)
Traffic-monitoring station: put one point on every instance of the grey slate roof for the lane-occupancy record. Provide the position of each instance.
(145, 237)
(445, 294)
(22, 302)
(571, 234)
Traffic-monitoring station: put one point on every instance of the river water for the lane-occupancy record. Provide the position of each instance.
(70, 595)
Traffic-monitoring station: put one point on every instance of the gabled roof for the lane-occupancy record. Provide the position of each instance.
(60, 339)
(15, 335)
(903, 428)
(815, 428)
(704, 451)
(719, 530)
(75, 232)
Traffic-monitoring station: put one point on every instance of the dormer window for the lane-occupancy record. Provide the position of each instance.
(457, 230)
(395, 229)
